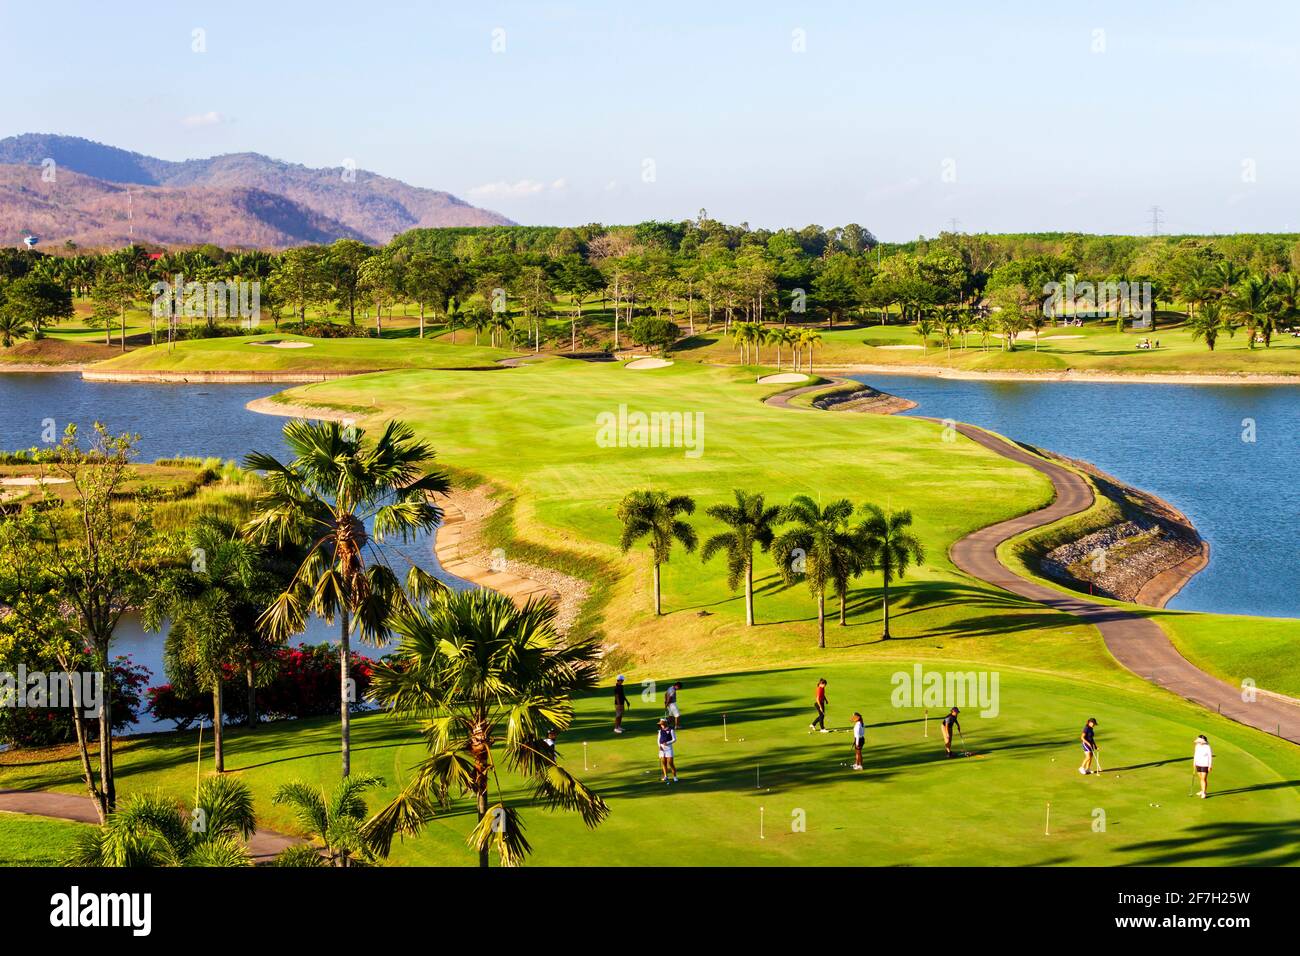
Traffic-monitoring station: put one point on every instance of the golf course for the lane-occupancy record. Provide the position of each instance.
(756, 787)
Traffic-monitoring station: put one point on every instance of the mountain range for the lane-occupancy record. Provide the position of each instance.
(64, 188)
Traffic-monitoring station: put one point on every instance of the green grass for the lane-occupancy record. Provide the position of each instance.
(35, 841)
(910, 807)
(237, 354)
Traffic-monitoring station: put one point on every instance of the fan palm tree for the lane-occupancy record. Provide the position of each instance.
(829, 551)
(213, 607)
(149, 830)
(486, 680)
(751, 523)
(1250, 305)
(336, 820)
(888, 547)
(11, 326)
(334, 496)
(654, 514)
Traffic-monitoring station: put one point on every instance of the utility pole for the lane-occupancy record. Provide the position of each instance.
(1155, 220)
(953, 224)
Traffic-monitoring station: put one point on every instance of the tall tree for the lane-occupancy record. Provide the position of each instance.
(822, 547)
(337, 494)
(888, 547)
(750, 524)
(655, 515)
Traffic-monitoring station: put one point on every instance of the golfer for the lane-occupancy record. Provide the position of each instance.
(670, 704)
(819, 702)
(667, 737)
(1089, 738)
(620, 701)
(1202, 759)
(548, 746)
(950, 724)
(859, 738)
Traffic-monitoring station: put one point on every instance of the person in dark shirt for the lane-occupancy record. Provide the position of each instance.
(819, 702)
(548, 746)
(667, 759)
(620, 701)
(1089, 739)
(950, 725)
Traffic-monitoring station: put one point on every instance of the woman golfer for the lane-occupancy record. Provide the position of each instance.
(859, 738)
(1090, 748)
(950, 724)
(1202, 758)
(819, 702)
(667, 737)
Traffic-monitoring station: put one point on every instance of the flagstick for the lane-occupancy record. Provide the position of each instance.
(724, 728)
(1047, 827)
(198, 768)
(584, 755)
(760, 824)
(927, 722)
(757, 784)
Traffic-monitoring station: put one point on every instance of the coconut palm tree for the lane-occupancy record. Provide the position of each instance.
(334, 497)
(984, 325)
(149, 830)
(924, 328)
(486, 680)
(1209, 323)
(654, 514)
(213, 606)
(751, 523)
(335, 820)
(888, 547)
(822, 547)
(1250, 305)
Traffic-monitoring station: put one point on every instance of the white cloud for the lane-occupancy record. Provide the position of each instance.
(519, 189)
(210, 118)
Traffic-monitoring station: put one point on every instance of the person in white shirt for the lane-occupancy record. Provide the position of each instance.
(859, 738)
(1202, 759)
(667, 737)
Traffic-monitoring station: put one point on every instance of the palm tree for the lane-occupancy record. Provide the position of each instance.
(1250, 305)
(984, 325)
(11, 325)
(486, 679)
(888, 547)
(809, 339)
(336, 820)
(830, 551)
(751, 523)
(334, 496)
(213, 607)
(1209, 323)
(149, 830)
(655, 514)
(924, 328)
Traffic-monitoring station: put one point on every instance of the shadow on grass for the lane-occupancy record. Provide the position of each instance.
(1275, 843)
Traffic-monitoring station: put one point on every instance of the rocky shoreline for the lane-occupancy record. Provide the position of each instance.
(1145, 558)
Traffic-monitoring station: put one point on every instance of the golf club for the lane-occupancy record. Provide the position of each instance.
(1096, 758)
(965, 750)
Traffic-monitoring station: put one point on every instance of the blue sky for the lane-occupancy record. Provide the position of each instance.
(900, 116)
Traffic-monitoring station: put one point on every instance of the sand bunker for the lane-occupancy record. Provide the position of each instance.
(648, 363)
(1046, 337)
(26, 481)
(284, 345)
(783, 378)
(909, 348)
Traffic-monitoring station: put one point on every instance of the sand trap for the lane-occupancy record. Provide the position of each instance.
(908, 348)
(26, 481)
(648, 363)
(1046, 337)
(284, 345)
(783, 378)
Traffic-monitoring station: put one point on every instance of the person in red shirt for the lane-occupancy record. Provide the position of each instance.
(819, 701)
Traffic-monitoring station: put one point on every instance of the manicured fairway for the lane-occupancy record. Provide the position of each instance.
(911, 806)
(235, 354)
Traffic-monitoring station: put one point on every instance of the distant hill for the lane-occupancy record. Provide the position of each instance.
(250, 199)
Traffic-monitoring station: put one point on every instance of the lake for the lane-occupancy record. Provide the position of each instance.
(1224, 455)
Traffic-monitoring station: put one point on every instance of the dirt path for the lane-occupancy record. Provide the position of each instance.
(262, 845)
(1135, 641)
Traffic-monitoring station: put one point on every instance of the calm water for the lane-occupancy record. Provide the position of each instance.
(1181, 442)
(171, 420)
